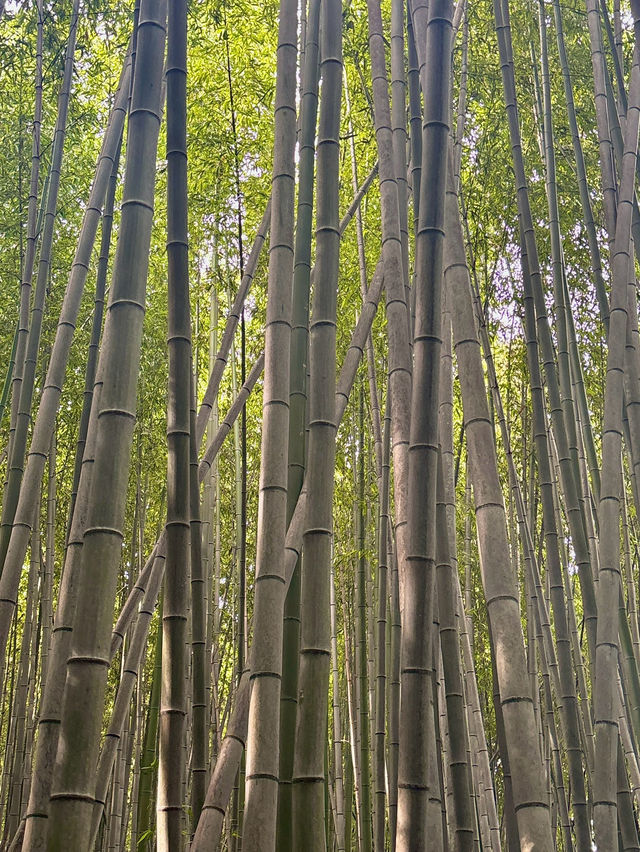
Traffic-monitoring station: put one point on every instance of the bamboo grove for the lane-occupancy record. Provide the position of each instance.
(319, 425)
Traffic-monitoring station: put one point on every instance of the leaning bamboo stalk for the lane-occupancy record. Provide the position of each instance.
(462, 98)
(23, 420)
(500, 585)
(566, 695)
(130, 674)
(362, 268)
(22, 329)
(48, 567)
(96, 327)
(233, 318)
(581, 174)
(36, 819)
(139, 589)
(598, 61)
(70, 815)
(399, 131)
(19, 704)
(559, 666)
(568, 474)
(6, 387)
(557, 260)
(606, 729)
(52, 390)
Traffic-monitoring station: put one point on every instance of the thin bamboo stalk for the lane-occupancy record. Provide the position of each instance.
(173, 696)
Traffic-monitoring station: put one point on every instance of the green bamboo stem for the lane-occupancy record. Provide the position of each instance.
(44, 425)
(364, 773)
(339, 781)
(532, 274)
(120, 713)
(380, 763)
(36, 821)
(83, 703)
(199, 696)
(148, 770)
(22, 331)
(32, 347)
(9, 377)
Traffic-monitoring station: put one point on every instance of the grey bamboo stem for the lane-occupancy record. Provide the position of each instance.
(259, 831)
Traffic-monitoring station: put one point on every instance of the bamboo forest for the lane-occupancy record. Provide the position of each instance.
(319, 425)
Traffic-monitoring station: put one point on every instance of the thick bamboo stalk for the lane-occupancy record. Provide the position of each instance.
(71, 805)
(299, 359)
(606, 728)
(36, 821)
(499, 583)
(45, 420)
(266, 662)
(419, 571)
(309, 828)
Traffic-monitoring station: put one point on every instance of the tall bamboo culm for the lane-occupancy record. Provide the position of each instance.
(263, 751)
(74, 779)
(171, 760)
(309, 829)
